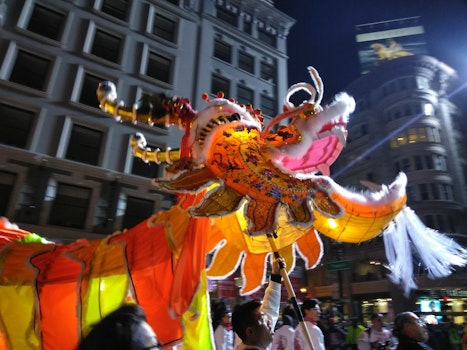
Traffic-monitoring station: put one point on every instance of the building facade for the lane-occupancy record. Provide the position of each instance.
(404, 121)
(66, 168)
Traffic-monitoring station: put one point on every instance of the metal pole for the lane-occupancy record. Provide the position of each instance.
(291, 293)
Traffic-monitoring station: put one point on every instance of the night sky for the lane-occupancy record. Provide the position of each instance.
(324, 35)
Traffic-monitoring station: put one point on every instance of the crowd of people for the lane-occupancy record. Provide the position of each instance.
(256, 325)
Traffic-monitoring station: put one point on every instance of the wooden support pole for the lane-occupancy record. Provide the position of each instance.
(290, 292)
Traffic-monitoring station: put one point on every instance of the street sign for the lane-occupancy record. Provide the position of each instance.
(338, 265)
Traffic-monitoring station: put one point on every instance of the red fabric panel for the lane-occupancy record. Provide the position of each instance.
(58, 291)
(190, 264)
(150, 264)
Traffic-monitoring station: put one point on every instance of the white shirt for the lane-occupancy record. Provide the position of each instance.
(316, 335)
(270, 307)
(223, 338)
(380, 337)
(283, 338)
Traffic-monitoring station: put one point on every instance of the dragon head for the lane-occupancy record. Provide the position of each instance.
(219, 111)
(317, 134)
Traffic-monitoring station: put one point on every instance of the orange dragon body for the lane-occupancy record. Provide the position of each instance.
(236, 183)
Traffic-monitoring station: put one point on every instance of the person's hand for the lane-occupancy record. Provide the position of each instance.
(276, 265)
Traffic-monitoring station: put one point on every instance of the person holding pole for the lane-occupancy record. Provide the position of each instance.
(254, 321)
(311, 311)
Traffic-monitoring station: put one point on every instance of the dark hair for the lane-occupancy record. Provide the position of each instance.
(243, 317)
(399, 322)
(375, 315)
(289, 316)
(219, 308)
(309, 304)
(119, 330)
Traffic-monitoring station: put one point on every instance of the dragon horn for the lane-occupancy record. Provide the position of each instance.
(178, 110)
(138, 145)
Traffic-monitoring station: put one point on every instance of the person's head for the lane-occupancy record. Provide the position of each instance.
(123, 329)
(311, 309)
(376, 321)
(251, 324)
(407, 324)
(221, 313)
(289, 317)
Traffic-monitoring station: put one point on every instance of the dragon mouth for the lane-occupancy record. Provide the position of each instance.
(213, 123)
(338, 129)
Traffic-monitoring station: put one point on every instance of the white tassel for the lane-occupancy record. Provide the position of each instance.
(406, 236)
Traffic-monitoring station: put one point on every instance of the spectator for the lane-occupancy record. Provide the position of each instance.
(455, 336)
(311, 311)
(123, 329)
(375, 336)
(464, 339)
(336, 335)
(283, 338)
(411, 332)
(223, 334)
(254, 321)
(353, 334)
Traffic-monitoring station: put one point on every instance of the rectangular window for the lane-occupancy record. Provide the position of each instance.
(106, 46)
(397, 167)
(429, 162)
(424, 195)
(219, 84)
(441, 225)
(159, 67)
(7, 181)
(267, 37)
(406, 166)
(268, 106)
(85, 145)
(435, 191)
(412, 135)
(46, 22)
(137, 210)
(227, 16)
(422, 135)
(422, 83)
(247, 25)
(245, 95)
(411, 194)
(447, 192)
(15, 125)
(88, 90)
(115, 8)
(165, 28)
(433, 135)
(141, 168)
(440, 162)
(223, 51)
(418, 163)
(401, 139)
(268, 72)
(429, 221)
(31, 70)
(70, 206)
(246, 62)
